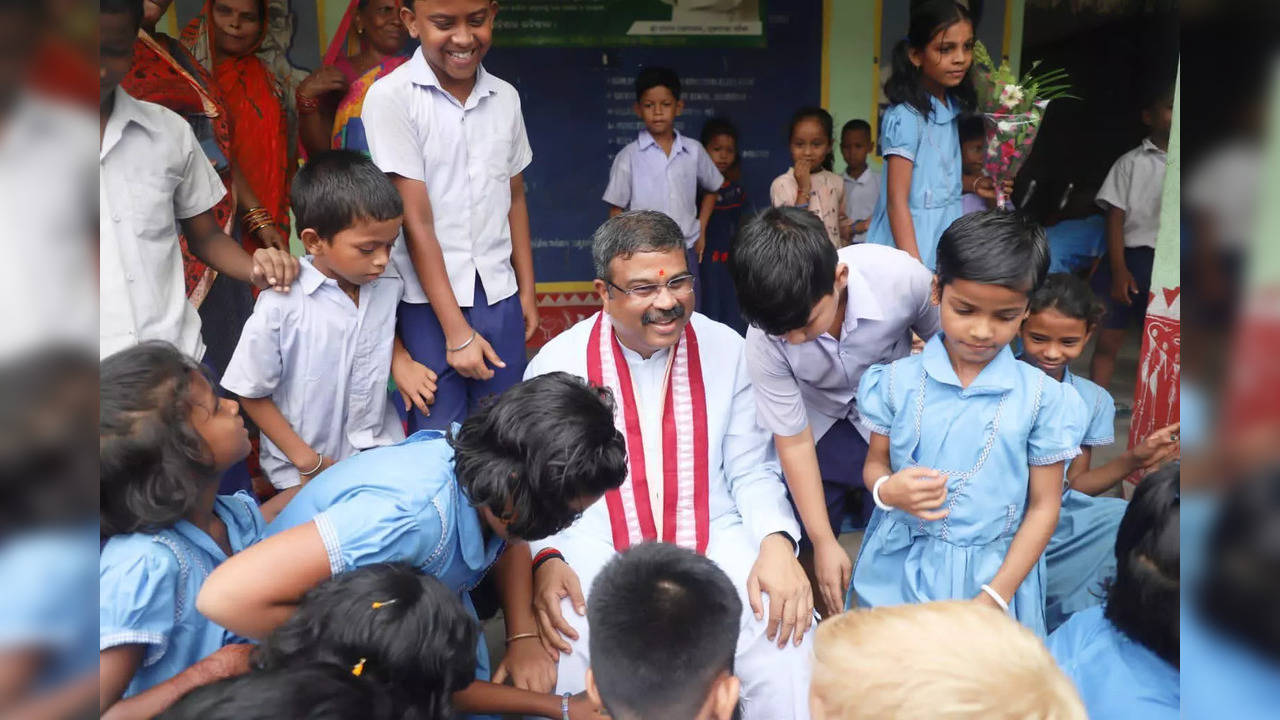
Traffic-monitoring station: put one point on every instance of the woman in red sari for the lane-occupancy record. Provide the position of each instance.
(224, 38)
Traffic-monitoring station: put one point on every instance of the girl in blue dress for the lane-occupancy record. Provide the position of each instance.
(453, 506)
(1080, 556)
(930, 87)
(165, 440)
(1123, 658)
(968, 445)
(722, 211)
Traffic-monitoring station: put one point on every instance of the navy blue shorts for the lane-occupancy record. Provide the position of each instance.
(501, 323)
(841, 454)
(1120, 316)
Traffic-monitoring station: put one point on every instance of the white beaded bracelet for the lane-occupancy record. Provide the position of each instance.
(990, 591)
(875, 493)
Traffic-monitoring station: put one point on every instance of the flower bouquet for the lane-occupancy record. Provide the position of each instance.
(1013, 107)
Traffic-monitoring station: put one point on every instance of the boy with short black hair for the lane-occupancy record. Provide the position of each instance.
(861, 183)
(311, 366)
(1131, 197)
(664, 629)
(662, 169)
(819, 318)
(452, 138)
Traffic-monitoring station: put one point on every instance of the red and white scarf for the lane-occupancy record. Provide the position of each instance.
(684, 473)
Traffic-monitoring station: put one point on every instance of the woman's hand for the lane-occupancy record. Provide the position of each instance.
(322, 81)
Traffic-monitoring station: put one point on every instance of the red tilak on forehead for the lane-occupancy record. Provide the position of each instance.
(661, 272)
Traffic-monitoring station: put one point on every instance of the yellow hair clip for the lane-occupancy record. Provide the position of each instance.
(358, 668)
(375, 605)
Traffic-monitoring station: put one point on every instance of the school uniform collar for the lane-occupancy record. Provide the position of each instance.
(1000, 375)
(862, 179)
(420, 73)
(227, 509)
(860, 301)
(126, 109)
(646, 141)
(309, 278)
(1148, 146)
(943, 113)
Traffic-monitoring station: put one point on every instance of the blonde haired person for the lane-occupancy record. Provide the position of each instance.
(940, 660)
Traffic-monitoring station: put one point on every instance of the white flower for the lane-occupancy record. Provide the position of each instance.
(1004, 126)
(1011, 95)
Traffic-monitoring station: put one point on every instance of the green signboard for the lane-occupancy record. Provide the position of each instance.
(631, 23)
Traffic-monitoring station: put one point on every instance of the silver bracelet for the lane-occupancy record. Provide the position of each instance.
(995, 596)
(564, 705)
(464, 345)
(875, 493)
(313, 470)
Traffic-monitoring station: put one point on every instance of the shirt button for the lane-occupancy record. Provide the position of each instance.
(116, 218)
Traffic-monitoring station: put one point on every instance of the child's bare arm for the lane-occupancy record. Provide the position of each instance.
(1044, 500)
(1155, 449)
(1123, 286)
(116, 666)
(275, 425)
(705, 209)
(898, 184)
(228, 661)
(615, 211)
(522, 255)
(428, 263)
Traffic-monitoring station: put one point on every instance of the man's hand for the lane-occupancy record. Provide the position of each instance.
(416, 383)
(470, 361)
(777, 573)
(918, 490)
(553, 581)
(833, 568)
(529, 309)
(529, 665)
(273, 268)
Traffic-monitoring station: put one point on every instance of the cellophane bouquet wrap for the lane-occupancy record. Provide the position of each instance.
(1013, 107)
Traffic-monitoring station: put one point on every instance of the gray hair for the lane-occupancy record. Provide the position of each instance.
(632, 232)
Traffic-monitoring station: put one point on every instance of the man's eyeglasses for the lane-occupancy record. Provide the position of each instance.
(679, 286)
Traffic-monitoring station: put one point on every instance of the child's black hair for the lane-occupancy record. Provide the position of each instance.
(132, 8)
(928, 18)
(315, 692)
(1240, 590)
(972, 127)
(856, 124)
(828, 126)
(653, 76)
(337, 188)
(400, 627)
(546, 442)
(994, 247)
(664, 625)
(717, 126)
(1142, 600)
(1070, 296)
(153, 463)
(782, 263)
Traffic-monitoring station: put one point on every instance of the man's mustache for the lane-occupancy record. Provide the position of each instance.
(658, 316)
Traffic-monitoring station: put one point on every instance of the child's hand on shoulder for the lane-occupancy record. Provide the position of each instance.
(273, 268)
(917, 490)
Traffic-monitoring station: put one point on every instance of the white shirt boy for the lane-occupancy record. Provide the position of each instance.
(325, 362)
(860, 195)
(466, 154)
(643, 177)
(152, 173)
(1135, 185)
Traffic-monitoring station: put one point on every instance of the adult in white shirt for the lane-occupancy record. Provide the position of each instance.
(153, 176)
(702, 472)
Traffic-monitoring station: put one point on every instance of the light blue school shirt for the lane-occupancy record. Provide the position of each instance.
(45, 574)
(398, 503)
(1117, 677)
(933, 146)
(148, 584)
(983, 438)
(1081, 555)
(643, 177)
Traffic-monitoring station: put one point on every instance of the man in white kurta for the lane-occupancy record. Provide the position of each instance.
(733, 508)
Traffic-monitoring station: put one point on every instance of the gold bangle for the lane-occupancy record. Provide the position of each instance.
(521, 636)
